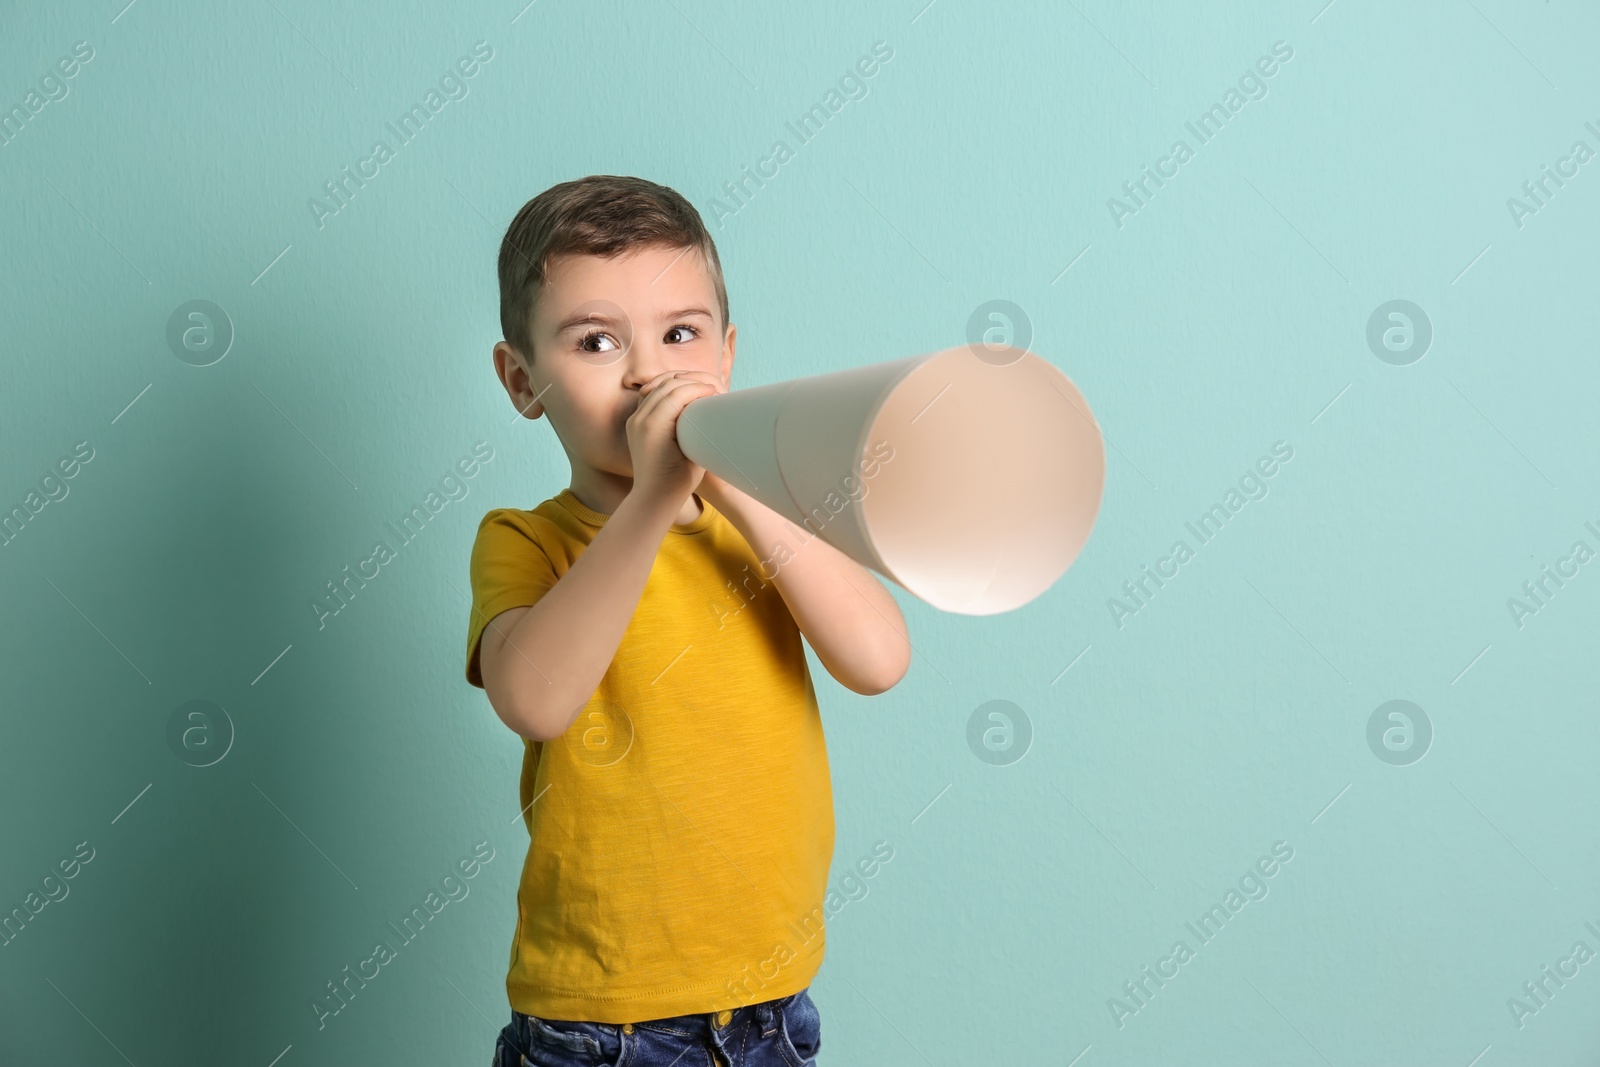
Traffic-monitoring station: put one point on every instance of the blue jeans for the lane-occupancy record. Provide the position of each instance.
(786, 1032)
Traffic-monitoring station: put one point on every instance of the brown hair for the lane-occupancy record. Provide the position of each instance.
(601, 215)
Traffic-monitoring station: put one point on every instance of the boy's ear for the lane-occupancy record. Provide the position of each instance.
(727, 354)
(513, 375)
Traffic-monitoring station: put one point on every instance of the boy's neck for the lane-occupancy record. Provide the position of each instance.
(602, 492)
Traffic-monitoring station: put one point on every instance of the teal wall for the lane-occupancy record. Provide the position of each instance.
(1164, 751)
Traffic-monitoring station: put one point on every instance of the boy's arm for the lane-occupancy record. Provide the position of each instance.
(852, 622)
(541, 664)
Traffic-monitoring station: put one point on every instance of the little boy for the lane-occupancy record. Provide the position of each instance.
(675, 778)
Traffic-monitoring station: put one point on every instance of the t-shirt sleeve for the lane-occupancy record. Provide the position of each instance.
(509, 569)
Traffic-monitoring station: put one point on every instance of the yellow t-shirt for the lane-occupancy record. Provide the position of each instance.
(682, 828)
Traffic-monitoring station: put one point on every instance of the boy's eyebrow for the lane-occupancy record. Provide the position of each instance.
(683, 313)
(583, 318)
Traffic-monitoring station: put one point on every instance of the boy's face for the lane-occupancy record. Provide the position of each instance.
(604, 327)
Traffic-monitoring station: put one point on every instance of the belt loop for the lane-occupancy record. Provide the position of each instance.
(764, 1016)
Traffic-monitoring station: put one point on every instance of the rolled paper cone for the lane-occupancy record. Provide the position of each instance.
(972, 482)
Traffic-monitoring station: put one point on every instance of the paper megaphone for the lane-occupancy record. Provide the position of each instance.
(971, 476)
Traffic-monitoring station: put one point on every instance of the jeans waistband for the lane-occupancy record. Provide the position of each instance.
(702, 1024)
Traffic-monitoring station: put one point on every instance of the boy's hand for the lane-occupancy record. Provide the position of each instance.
(660, 468)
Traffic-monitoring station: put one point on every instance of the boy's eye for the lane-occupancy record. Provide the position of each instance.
(676, 329)
(596, 335)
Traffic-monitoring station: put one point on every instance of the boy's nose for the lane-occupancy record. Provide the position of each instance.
(644, 362)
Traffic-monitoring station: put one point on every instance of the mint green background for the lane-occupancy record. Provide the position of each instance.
(1228, 314)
